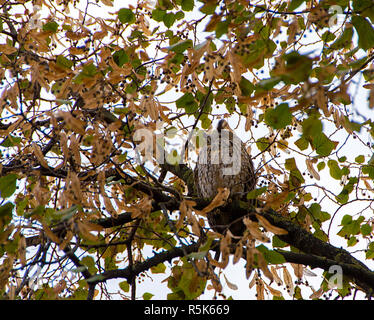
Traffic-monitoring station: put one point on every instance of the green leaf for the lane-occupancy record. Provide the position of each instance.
(267, 84)
(302, 143)
(126, 16)
(351, 241)
(169, 19)
(263, 143)
(296, 177)
(366, 229)
(343, 196)
(205, 122)
(271, 256)
(278, 243)
(315, 210)
(64, 62)
(124, 286)
(89, 262)
(160, 268)
(279, 117)
(51, 26)
(120, 57)
(354, 126)
(222, 28)
(295, 4)
(311, 126)
(323, 145)
(39, 210)
(364, 8)
(246, 87)
(158, 14)
(256, 192)
(10, 141)
(8, 185)
(321, 165)
(6, 212)
(209, 7)
(370, 251)
(89, 71)
(187, 5)
(65, 214)
(298, 68)
(344, 41)
(319, 234)
(335, 171)
(187, 102)
(347, 219)
(21, 206)
(197, 255)
(328, 36)
(181, 46)
(342, 159)
(360, 159)
(365, 32)
(179, 15)
(147, 296)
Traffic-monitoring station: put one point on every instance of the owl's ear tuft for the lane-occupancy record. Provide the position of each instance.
(222, 124)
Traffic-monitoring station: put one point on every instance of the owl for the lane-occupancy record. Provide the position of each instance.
(223, 162)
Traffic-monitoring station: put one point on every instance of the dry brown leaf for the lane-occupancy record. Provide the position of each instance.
(371, 98)
(219, 200)
(64, 146)
(74, 147)
(22, 250)
(260, 289)
(218, 264)
(367, 184)
(312, 171)
(69, 235)
(316, 294)
(273, 291)
(231, 285)
(238, 253)
(322, 101)
(292, 30)
(274, 170)
(85, 231)
(269, 227)
(277, 279)
(6, 49)
(49, 233)
(39, 155)
(253, 281)
(263, 265)
(298, 270)
(186, 208)
(254, 230)
(73, 190)
(140, 209)
(73, 123)
(249, 265)
(288, 281)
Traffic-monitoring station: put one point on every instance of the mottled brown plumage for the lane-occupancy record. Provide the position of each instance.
(224, 163)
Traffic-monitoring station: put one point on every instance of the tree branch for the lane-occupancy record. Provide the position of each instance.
(130, 272)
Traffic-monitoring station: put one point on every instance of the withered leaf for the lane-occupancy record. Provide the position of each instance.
(269, 227)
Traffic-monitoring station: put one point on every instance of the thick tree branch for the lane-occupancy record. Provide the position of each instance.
(362, 276)
(131, 272)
